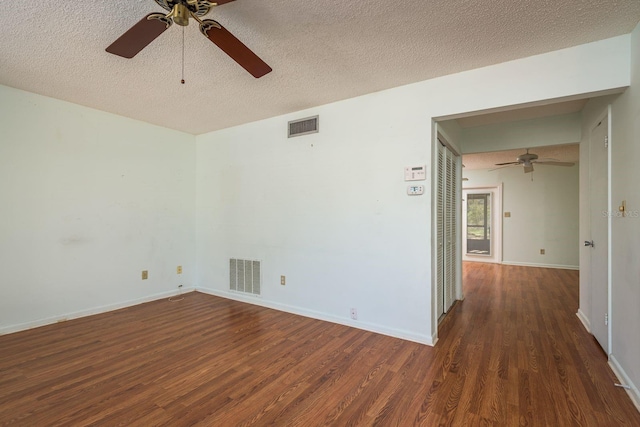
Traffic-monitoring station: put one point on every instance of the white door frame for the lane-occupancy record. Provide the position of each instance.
(609, 232)
(496, 223)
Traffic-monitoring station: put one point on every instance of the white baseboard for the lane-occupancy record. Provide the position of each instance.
(371, 327)
(532, 264)
(88, 312)
(585, 321)
(488, 260)
(625, 380)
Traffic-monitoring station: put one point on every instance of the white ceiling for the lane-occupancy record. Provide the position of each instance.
(561, 153)
(320, 51)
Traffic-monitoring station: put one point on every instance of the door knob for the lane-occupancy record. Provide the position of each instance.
(589, 243)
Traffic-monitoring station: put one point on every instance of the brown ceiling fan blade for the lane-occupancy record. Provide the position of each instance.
(235, 48)
(555, 163)
(508, 163)
(139, 36)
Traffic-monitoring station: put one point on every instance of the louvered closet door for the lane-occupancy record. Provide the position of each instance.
(440, 233)
(447, 199)
(450, 231)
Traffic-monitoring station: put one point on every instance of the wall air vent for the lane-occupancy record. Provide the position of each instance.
(304, 126)
(244, 276)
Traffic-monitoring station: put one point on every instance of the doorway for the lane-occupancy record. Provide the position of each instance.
(482, 224)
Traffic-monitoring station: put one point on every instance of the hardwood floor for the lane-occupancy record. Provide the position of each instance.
(512, 353)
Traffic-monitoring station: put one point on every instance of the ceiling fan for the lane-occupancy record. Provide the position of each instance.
(180, 11)
(528, 159)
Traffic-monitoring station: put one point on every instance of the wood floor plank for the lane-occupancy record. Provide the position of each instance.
(512, 353)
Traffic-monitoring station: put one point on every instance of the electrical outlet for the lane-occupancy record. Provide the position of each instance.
(541, 251)
(354, 314)
(283, 280)
(145, 274)
(179, 269)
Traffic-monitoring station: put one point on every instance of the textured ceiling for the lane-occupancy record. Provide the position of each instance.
(320, 51)
(561, 153)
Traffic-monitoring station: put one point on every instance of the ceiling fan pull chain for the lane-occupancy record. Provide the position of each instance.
(182, 81)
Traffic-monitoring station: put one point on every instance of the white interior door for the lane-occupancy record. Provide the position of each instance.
(598, 190)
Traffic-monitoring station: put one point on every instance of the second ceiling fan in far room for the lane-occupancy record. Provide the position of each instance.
(527, 160)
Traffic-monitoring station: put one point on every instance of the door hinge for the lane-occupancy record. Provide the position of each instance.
(606, 319)
(606, 141)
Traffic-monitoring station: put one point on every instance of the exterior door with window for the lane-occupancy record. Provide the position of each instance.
(481, 224)
(478, 223)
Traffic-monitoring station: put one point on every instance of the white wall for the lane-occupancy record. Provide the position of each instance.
(89, 200)
(555, 130)
(452, 133)
(330, 211)
(544, 213)
(625, 148)
(324, 210)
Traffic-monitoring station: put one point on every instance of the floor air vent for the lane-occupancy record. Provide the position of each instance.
(244, 276)
(304, 126)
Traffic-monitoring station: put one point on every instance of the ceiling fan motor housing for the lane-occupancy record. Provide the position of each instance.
(181, 14)
(198, 7)
(527, 158)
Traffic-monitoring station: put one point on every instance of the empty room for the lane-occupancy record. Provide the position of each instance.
(298, 213)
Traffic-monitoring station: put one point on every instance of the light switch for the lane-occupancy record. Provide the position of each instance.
(507, 214)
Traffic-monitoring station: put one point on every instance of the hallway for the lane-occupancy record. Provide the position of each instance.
(523, 355)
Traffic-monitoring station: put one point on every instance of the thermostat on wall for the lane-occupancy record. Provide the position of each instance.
(415, 190)
(415, 173)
